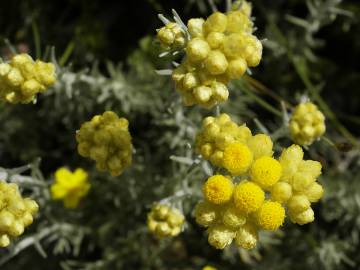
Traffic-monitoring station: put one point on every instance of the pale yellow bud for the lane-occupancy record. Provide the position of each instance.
(216, 63)
(304, 217)
(216, 22)
(298, 203)
(236, 68)
(6, 220)
(14, 77)
(190, 81)
(16, 229)
(215, 39)
(220, 236)
(4, 69)
(206, 214)
(281, 192)
(202, 93)
(246, 237)
(314, 192)
(197, 49)
(4, 240)
(233, 218)
(220, 91)
(260, 145)
(195, 27)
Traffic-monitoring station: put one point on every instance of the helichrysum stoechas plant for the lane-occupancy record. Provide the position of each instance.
(220, 49)
(106, 139)
(257, 202)
(164, 221)
(70, 187)
(307, 123)
(16, 213)
(22, 78)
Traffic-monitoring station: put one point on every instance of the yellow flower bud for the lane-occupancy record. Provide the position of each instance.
(202, 94)
(236, 68)
(215, 40)
(220, 91)
(4, 240)
(238, 22)
(216, 22)
(216, 62)
(246, 237)
(195, 27)
(260, 145)
(233, 218)
(220, 236)
(298, 203)
(206, 213)
(281, 192)
(197, 49)
(304, 217)
(314, 192)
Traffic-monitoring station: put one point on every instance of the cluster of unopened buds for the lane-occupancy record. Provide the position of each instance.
(106, 139)
(164, 221)
(267, 188)
(22, 78)
(16, 213)
(218, 50)
(307, 123)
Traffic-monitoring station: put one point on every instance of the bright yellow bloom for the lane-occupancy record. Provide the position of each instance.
(265, 171)
(237, 158)
(307, 123)
(270, 216)
(22, 78)
(164, 221)
(248, 197)
(106, 139)
(70, 187)
(16, 213)
(218, 189)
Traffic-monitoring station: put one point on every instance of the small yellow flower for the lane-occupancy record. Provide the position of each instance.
(260, 145)
(164, 221)
(314, 192)
(248, 197)
(281, 192)
(218, 189)
(171, 36)
(265, 171)
(270, 216)
(233, 218)
(237, 158)
(70, 187)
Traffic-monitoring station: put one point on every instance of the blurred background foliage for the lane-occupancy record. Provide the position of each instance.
(108, 57)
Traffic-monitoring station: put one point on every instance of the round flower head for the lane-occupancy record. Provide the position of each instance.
(246, 237)
(270, 216)
(218, 189)
(22, 78)
(220, 236)
(16, 213)
(106, 139)
(265, 171)
(171, 36)
(70, 187)
(164, 221)
(237, 158)
(307, 123)
(248, 197)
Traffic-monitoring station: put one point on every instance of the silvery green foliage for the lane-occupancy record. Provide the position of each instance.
(108, 230)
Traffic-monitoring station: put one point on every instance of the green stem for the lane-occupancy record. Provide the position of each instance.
(36, 34)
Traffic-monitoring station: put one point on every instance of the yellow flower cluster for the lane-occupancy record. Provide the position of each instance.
(209, 268)
(307, 123)
(16, 213)
(221, 48)
(22, 78)
(225, 144)
(171, 36)
(106, 140)
(238, 211)
(298, 188)
(70, 187)
(164, 221)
